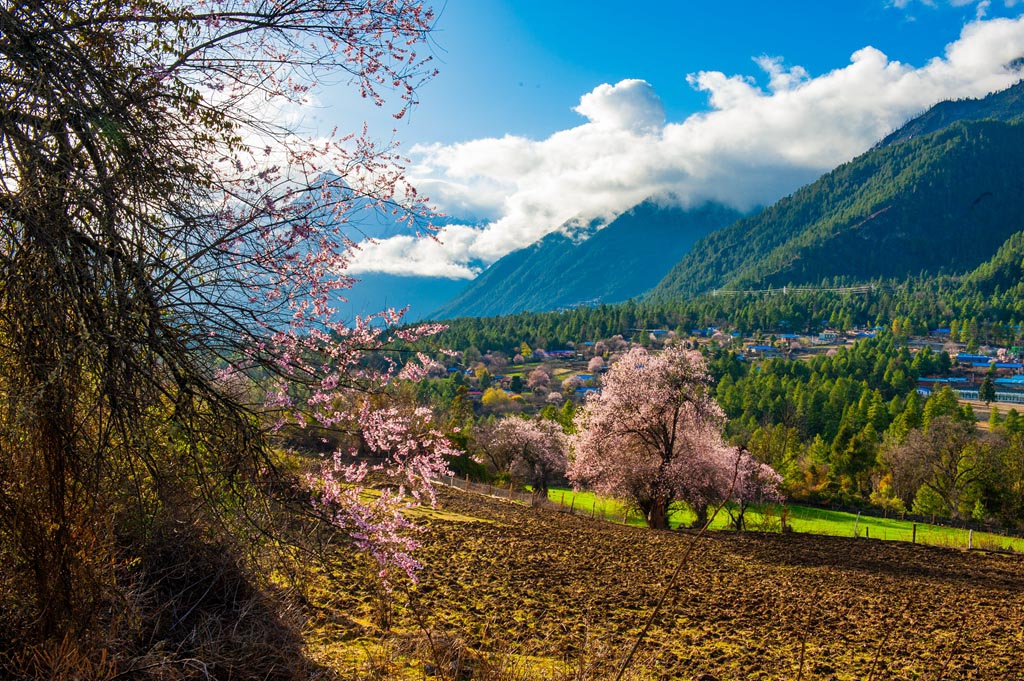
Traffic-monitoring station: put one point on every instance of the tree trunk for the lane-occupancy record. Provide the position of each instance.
(657, 515)
(540, 490)
(48, 476)
(701, 510)
(738, 521)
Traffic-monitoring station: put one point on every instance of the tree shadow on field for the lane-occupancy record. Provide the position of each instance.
(204, 604)
(895, 559)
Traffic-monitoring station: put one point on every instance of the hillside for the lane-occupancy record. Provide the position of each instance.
(1004, 271)
(1006, 105)
(942, 202)
(584, 263)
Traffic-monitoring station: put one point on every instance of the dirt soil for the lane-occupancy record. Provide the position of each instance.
(552, 587)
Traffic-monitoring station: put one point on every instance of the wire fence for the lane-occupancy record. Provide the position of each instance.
(811, 520)
(508, 493)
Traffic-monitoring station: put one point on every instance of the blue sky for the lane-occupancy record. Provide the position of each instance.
(545, 111)
(519, 66)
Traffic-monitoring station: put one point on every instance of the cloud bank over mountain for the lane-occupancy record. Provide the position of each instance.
(755, 144)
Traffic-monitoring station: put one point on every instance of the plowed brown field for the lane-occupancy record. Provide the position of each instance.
(551, 586)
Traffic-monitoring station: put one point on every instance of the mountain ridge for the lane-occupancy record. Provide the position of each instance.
(895, 210)
(1004, 105)
(613, 263)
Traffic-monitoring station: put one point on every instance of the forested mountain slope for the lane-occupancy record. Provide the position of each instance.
(622, 260)
(941, 202)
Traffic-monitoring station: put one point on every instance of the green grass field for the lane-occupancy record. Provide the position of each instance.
(801, 519)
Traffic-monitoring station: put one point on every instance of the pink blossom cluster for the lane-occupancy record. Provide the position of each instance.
(424, 367)
(408, 451)
(536, 449)
(340, 381)
(262, 264)
(653, 437)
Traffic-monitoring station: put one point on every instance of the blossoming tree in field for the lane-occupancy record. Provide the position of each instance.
(755, 483)
(652, 436)
(534, 451)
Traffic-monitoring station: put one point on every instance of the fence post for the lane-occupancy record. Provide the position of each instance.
(867, 532)
(970, 539)
(913, 534)
(593, 509)
(510, 490)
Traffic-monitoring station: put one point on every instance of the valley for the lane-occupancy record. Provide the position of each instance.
(649, 353)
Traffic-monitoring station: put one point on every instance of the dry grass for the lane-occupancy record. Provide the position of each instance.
(189, 609)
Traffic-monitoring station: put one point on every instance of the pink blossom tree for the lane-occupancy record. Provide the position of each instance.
(754, 483)
(572, 384)
(534, 449)
(173, 255)
(652, 436)
(538, 379)
(617, 343)
(496, 361)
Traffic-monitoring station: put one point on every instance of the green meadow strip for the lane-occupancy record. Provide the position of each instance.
(801, 519)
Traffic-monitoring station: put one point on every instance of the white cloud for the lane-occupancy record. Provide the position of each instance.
(751, 147)
(779, 78)
(980, 12)
(628, 105)
(425, 256)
